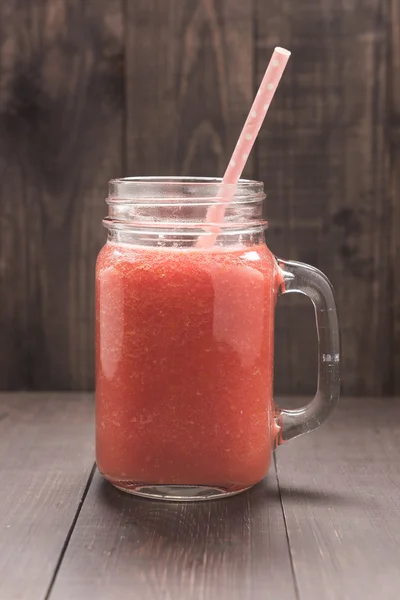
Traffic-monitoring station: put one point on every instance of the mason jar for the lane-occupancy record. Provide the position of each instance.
(185, 340)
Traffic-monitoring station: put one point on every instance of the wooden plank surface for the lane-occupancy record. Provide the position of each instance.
(164, 86)
(189, 69)
(394, 129)
(46, 457)
(61, 106)
(324, 156)
(129, 548)
(340, 489)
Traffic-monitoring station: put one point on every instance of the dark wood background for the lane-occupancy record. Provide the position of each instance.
(93, 89)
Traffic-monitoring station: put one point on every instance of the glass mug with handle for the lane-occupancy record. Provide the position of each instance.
(184, 341)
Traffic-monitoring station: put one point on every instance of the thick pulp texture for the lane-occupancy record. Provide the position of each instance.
(184, 364)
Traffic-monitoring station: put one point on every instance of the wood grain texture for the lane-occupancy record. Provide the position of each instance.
(46, 456)
(91, 89)
(189, 84)
(128, 548)
(340, 489)
(324, 156)
(61, 100)
(394, 128)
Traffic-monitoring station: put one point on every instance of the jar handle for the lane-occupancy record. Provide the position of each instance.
(304, 279)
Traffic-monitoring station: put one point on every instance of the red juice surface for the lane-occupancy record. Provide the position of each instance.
(184, 364)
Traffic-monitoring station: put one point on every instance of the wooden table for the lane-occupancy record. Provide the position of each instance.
(324, 525)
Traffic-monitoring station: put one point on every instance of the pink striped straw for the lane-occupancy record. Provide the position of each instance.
(259, 109)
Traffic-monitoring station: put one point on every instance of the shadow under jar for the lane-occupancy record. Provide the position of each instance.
(184, 341)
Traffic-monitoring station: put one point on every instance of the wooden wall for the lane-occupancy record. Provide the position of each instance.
(91, 89)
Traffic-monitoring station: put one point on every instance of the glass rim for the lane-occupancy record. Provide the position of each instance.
(183, 201)
(182, 189)
(185, 179)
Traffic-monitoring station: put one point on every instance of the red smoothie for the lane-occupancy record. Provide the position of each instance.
(184, 365)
